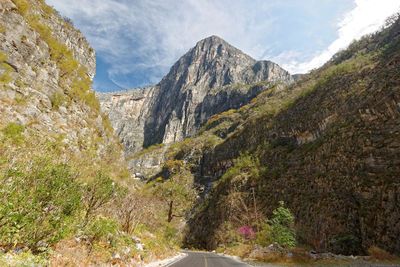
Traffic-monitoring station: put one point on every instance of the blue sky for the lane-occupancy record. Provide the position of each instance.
(137, 41)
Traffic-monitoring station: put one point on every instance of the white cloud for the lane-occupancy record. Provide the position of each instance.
(133, 36)
(367, 17)
(143, 38)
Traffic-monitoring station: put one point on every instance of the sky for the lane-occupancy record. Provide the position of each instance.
(137, 41)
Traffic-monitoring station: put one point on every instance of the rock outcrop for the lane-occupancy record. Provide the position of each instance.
(46, 68)
(209, 79)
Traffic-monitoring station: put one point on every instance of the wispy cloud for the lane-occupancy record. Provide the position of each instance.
(145, 37)
(137, 41)
(367, 17)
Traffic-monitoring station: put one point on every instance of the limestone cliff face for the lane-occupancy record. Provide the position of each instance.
(128, 112)
(205, 81)
(46, 68)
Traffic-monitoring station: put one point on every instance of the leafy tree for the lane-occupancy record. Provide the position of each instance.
(280, 229)
(177, 191)
(282, 226)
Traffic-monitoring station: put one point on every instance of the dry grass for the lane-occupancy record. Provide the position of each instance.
(242, 250)
(70, 253)
(380, 254)
(275, 257)
(300, 256)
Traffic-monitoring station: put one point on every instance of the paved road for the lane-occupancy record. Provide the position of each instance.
(203, 259)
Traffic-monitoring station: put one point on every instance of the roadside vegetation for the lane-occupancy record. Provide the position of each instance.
(51, 203)
(62, 204)
(62, 207)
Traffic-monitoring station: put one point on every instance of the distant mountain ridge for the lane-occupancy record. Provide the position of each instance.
(209, 79)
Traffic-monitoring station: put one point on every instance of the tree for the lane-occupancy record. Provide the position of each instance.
(280, 229)
(133, 209)
(99, 192)
(177, 191)
(68, 21)
(282, 225)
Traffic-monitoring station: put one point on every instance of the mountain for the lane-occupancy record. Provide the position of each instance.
(64, 181)
(327, 145)
(46, 72)
(264, 159)
(210, 78)
(56, 146)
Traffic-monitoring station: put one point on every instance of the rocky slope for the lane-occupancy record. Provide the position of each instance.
(46, 72)
(328, 146)
(207, 80)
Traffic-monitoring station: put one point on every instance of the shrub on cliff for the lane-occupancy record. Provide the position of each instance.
(244, 166)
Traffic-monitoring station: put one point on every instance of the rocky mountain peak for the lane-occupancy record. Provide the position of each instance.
(214, 48)
(195, 88)
(212, 62)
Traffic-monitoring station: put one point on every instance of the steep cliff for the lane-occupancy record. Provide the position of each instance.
(327, 145)
(66, 194)
(209, 79)
(46, 72)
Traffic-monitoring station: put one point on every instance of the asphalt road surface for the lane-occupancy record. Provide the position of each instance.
(203, 259)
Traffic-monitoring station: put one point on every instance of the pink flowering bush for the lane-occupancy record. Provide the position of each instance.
(247, 232)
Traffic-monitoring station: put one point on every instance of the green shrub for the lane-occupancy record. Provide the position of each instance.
(282, 226)
(39, 205)
(228, 235)
(377, 253)
(101, 230)
(22, 6)
(3, 57)
(57, 100)
(264, 235)
(5, 70)
(14, 132)
(171, 234)
(245, 163)
(5, 76)
(20, 100)
(280, 229)
(347, 243)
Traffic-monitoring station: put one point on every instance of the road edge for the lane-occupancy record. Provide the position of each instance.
(177, 260)
(167, 261)
(235, 258)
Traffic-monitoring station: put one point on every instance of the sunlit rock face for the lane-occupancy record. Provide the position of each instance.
(205, 81)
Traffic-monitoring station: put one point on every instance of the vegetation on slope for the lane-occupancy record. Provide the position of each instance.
(67, 203)
(327, 146)
(47, 204)
(73, 78)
